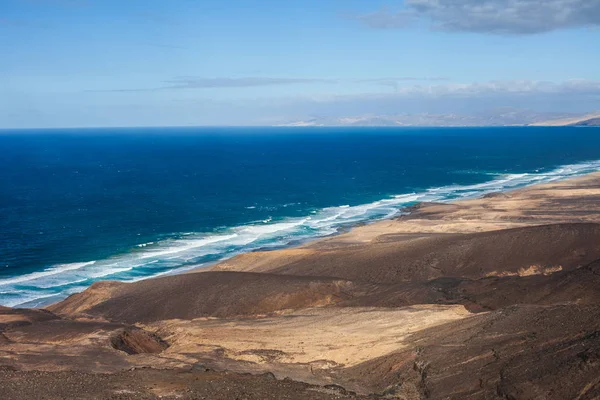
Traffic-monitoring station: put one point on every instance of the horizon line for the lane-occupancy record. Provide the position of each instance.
(532, 125)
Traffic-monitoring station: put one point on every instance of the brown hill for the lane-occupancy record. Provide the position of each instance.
(522, 352)
(362, 276)
(519, 251)
(210, 294)
(580, 286)
(478, 274)
(15, 317)
(413, 308)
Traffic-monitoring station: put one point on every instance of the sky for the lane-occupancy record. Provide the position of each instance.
(94, 63)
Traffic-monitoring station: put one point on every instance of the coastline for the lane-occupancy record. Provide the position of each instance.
(171, 255)
(409, 222)
(460, 216)
(438, 303)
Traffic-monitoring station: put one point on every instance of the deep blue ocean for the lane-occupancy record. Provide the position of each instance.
(82, 205)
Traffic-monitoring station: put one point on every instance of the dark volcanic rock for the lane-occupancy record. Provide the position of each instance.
(137, 341)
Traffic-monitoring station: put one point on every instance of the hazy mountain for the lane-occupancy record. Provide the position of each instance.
(583, 120)
(497, 117)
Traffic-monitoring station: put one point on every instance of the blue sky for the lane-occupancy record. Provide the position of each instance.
(231, 62)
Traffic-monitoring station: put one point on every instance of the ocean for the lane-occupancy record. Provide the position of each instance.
(82, 205)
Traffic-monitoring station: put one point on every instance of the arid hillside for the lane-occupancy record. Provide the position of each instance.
(493, 298)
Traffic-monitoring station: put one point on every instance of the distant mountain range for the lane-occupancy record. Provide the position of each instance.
(498, 117)
(584, 120)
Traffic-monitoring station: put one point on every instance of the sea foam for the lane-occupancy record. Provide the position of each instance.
(190, 250)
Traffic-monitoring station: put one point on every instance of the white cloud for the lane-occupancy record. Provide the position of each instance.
(577, 95)
(516, 87)
(467, 98)
(491, 16)
(191, 82)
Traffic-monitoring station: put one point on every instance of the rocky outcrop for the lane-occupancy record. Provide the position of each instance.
(137, 341)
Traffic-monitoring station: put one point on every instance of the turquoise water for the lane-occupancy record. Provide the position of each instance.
(77, 206)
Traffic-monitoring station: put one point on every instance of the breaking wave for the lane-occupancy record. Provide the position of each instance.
(186, 251)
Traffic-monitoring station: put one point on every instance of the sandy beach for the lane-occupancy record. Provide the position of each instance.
(496, 297)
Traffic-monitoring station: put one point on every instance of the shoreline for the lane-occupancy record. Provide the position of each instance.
(365, 232)
(362, 313)
(361, 232)
(347, 231)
